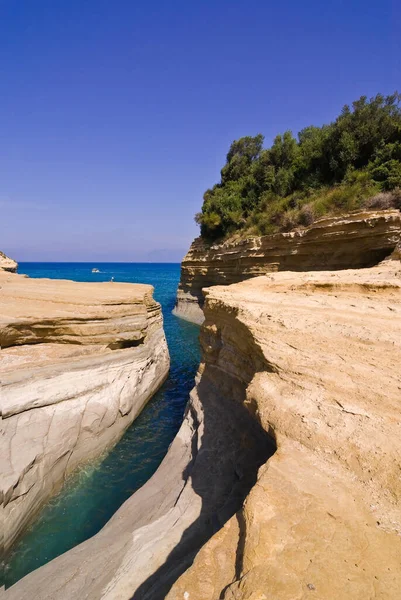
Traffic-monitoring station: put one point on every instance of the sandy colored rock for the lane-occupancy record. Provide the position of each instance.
(324, 517)
(396, 255)
(202, 482)
(311, 360)
(7, 264)
(350, 241)
(78, 362)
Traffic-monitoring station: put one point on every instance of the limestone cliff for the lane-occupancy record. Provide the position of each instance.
(324, 517)
(311, 361)
(346, 242)
(78, 361)
(7, 264)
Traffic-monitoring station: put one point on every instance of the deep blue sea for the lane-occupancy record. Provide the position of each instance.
(91, 496)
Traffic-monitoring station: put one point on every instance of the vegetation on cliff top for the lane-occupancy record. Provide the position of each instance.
(352, 163)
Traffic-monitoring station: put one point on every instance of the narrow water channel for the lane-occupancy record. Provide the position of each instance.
(91, 496)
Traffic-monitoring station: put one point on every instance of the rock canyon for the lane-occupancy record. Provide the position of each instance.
(283, 481)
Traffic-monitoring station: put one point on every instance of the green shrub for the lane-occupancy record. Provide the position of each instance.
(327, 170)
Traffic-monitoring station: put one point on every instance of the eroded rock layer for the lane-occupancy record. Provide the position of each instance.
(311, 360)
(325, 514)
(348, 242)
(78, 361)
(7, 264)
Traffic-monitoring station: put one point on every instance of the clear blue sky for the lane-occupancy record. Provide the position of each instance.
(115, 116)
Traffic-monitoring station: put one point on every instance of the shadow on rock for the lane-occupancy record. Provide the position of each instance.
(228, 447)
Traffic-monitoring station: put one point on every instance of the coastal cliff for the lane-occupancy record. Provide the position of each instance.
(351, 241)
(7, 264)
(283, 481)
(78, 361)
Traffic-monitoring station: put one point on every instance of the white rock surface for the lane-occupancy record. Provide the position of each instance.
(78, 362)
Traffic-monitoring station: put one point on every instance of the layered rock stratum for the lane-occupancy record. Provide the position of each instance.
(284, 479)
(78, 361)
(350, 241)
(7, 264)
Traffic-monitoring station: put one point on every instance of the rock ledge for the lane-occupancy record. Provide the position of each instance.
(78, 361)
(351, 241)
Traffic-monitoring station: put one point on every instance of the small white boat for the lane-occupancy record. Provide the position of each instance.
(95, 271)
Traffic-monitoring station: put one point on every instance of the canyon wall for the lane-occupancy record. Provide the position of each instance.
(78, 361)
(283, 481)
(350, 241)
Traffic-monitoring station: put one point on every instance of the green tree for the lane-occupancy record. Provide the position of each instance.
(360, 151)
(241, 155)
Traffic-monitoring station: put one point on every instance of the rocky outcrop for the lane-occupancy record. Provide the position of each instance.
(325, 515)
(7, 264)
(311, 361)
(78, 362)
(350, 241)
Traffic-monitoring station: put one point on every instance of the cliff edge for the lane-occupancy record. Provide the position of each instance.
(324, 517)
(78, 361)
(350, 241)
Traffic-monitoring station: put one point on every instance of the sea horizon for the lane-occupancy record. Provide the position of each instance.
(101, 262)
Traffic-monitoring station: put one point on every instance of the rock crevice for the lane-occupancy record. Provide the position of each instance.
(311, 361)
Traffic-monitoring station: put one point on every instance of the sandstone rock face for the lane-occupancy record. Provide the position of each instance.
(78, 361)
(324, 517)
(347, 242)
(7, 264)
(311, 360)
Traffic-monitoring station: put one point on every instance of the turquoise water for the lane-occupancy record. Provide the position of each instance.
(92, 496)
